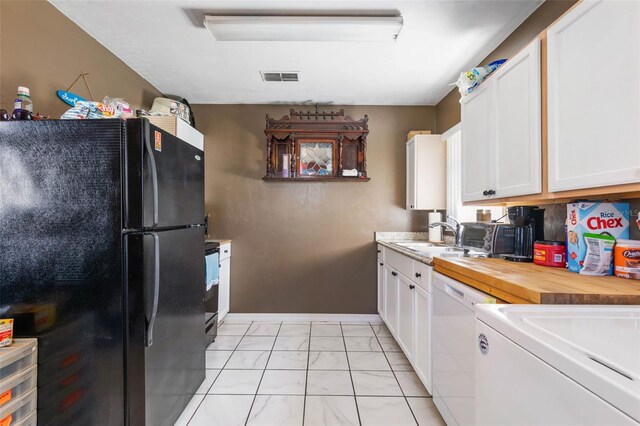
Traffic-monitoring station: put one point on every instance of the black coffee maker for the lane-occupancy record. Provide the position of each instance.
(529, 227)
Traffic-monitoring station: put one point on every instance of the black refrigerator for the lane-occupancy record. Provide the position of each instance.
(102, 259)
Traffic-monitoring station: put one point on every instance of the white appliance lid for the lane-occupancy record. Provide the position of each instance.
(596, 346)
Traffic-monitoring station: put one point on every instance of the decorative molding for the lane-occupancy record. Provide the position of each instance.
(354, 318)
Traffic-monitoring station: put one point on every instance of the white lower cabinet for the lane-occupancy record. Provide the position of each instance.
(404, 304)
(381, 290)
(391, 299)
(224, 289)
(406, 318)
(422, 331)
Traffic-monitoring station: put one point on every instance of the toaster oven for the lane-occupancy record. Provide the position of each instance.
(492, 238)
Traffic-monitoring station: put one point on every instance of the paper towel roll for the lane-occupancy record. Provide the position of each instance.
(435, 234)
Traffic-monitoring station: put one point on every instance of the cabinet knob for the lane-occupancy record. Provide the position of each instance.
(381, 264)
(379, 251)
(226, 251)
(411, 286)
(485, 192)
(411, 205)
(418, 274)
(491, 192)
(394, 273)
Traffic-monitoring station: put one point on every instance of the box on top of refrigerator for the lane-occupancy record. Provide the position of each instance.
(593, 218)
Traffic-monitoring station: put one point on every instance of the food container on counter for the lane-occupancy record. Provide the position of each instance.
(549, 253)
(626, 259)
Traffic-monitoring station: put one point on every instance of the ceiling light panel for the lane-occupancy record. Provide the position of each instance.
(304, 28)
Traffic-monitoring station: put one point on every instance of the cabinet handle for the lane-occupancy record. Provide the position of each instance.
(226, 251)
(411, 286)
(411, 206)
(381, 264)
(379, 251)
(418, 274)
(491, 192)
(394, 273)
(485, 192)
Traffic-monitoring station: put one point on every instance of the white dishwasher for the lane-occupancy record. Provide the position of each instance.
(454, 343)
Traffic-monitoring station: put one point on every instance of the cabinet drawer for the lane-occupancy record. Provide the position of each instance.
(225, 251)
(422, 275)
(17, 385)
(400, 262)
(381, 251)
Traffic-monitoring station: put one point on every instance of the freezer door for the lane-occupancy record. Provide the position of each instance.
(61, 262)
(165, 179)
(166, 323)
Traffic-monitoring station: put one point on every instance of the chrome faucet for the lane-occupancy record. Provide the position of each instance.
(456, 229)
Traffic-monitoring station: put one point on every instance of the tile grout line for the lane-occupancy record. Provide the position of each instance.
(306, 377)
(263, 373)
(353, 386)
(221, 369)
(396, 377)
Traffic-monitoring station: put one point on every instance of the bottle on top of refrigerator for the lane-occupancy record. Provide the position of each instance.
(22, 103)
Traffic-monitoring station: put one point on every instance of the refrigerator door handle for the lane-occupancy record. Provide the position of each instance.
(154, 180)
(151, 319)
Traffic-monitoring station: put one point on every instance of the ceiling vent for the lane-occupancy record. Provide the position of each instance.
(279, 76)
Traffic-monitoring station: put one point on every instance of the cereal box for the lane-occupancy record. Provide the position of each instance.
(6, 332)
(593, 218)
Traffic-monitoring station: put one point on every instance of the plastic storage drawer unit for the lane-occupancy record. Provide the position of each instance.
(19, 409)
(30, 420)
(17, 385)
(20, 356)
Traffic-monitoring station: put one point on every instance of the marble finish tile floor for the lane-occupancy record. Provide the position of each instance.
(308, 374)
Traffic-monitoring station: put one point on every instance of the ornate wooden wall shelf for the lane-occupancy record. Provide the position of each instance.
(317, 146)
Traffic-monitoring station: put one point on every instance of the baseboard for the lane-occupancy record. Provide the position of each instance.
(362, 318)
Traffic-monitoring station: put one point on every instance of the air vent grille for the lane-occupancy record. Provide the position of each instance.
(279, 76)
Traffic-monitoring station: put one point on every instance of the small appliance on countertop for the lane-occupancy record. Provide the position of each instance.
(529, 227)
(492, 238)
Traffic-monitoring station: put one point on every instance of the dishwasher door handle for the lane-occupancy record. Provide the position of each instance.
(454, 292)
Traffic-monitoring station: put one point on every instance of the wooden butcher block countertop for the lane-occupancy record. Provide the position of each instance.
(529, 283)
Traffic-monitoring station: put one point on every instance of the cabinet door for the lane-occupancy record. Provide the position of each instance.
(391, 299)
(411, 174)
(476, 144)
(405, 315)
(422, 326)
(517, 124)
(430, 176)
(381, 288)
(594, 96)
(224, 290)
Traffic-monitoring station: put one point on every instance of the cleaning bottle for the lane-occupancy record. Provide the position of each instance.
(22, 106)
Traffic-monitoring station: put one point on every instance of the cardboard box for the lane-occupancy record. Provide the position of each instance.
(413, 133)
(6, 332)
(180, 128)
(594, 218)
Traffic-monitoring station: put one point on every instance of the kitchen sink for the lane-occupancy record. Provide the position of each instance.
(416, 244)
(434, 250)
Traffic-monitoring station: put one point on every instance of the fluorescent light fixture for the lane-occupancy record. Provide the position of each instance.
(303, 28)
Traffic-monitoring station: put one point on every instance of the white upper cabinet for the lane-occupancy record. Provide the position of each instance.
(476, 144)
(426, 173)
(501, 131)
(517, 124)
(594, 96)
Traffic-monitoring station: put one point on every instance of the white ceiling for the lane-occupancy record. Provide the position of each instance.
(167, 43)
